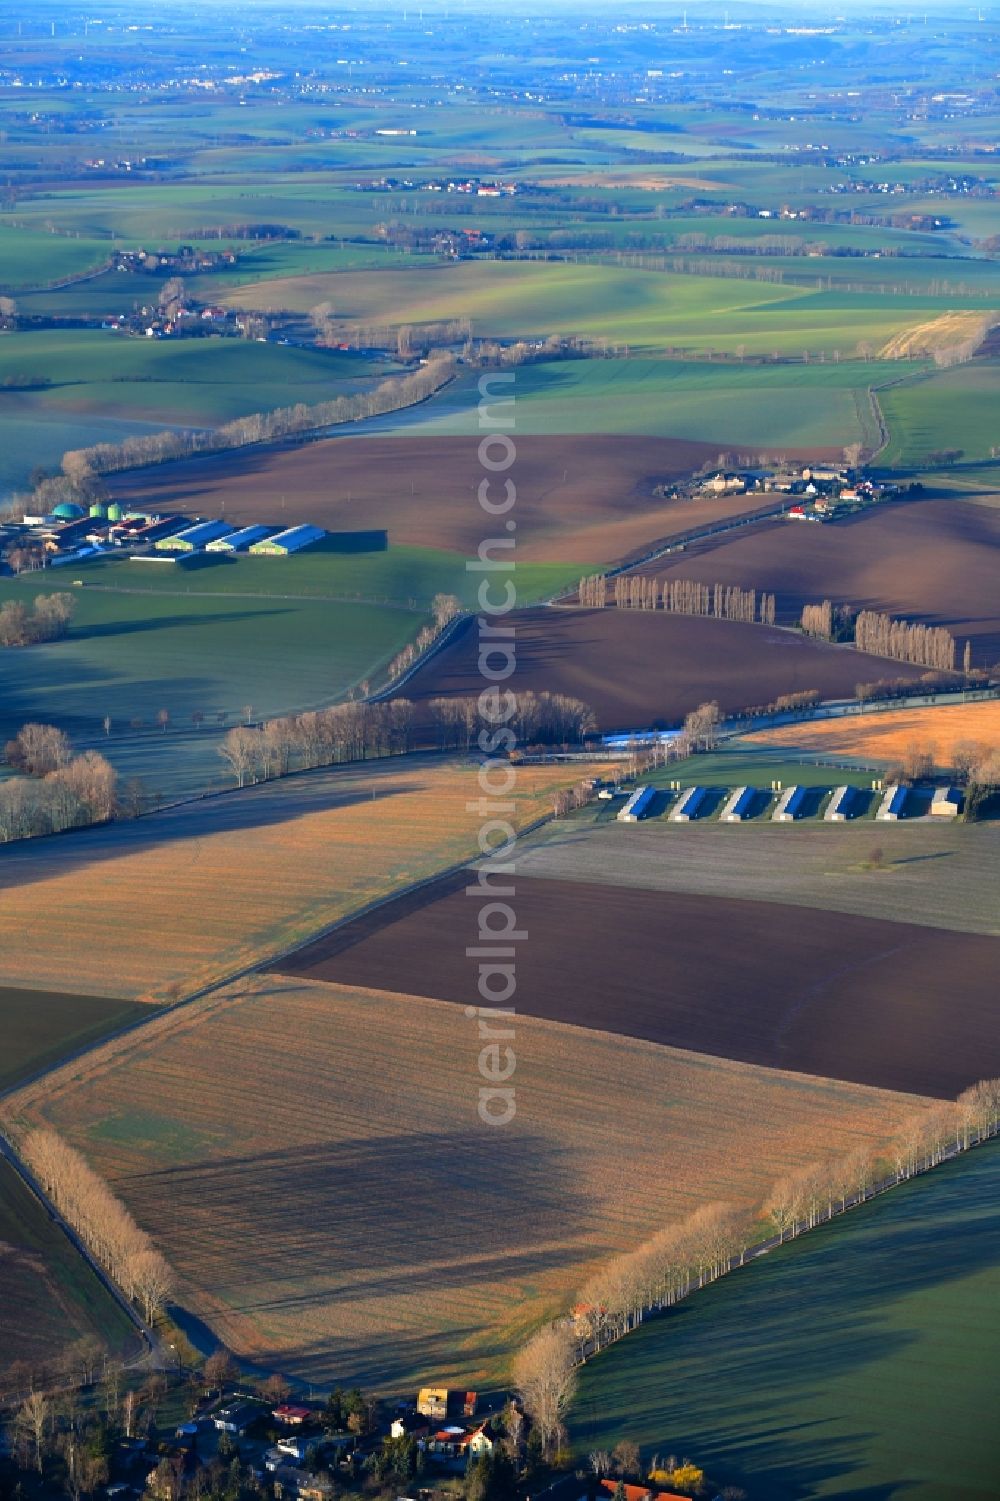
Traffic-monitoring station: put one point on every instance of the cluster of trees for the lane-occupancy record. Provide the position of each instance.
(389, 395)
(883, 688)
(57, 789)
(681, 597)
(592, 591)
(357, 731)
(827, 621)
(444, 608)
(883, 636)
(48, 620)
(568, 798)
(717, 1237)
(928, 645)
(537, 719)
(102, 1221)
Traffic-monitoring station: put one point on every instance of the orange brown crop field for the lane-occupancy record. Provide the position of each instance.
(886, 735)
(310, 1158)
(203, 890)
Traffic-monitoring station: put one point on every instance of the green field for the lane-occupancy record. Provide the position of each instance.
(279, 634)
(129, 655)
(48, 1295)
(41, 1026)
(643, 309)
(760, 405)
(198, 381)
(857, 1362)
(406, 576)
(29, 257)
(957, 408)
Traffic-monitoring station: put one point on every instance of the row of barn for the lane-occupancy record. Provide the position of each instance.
(793, 803)
(219, 536)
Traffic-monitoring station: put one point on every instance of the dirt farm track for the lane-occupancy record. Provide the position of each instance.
(643, 668)
(815, 992)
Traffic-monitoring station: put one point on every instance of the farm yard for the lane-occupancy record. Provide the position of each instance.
(640, 669)
(49, 1297)
(354, 1225)
(832, 995)
(939, 877)
(932, 560)
(889, 734)
(160, 905)
(584, 499)
(905, 1291)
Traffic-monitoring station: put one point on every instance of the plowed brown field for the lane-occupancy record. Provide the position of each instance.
(311, 1160)
(932, 560)
(580, 499)
(885, 1004)
(641, 668)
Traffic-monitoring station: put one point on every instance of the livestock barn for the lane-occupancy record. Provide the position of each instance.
(739, 805)
(639, 805)
(194, 537)
(893, 804)
(690, 805)
(292, 540)
(240, 541)
(790, 805)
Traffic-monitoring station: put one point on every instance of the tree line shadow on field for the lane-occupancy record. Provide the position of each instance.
(415, 1215)
(756, 1333)
(160, 622)
(32, 861)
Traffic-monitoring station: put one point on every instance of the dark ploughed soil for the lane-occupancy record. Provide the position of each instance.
(825, 993)
(932, 560)
(579, 499)
(643, 668)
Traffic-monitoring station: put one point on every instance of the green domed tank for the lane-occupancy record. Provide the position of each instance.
(98, 508)
(68, 510)
(114, 511)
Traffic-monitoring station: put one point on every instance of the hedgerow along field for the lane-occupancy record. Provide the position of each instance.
(40, 1027)
(49, 1296)
(856, 1361)
(161, 905)
(826, 994)
(888, 735)
(358, 1224)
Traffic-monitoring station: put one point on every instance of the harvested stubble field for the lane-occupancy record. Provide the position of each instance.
(640, 668)
(930, 560)
(41, 1026)
(48, 1295)
(359, 1224)
(889, 734)
(836, 996)
(197, 892)
(933, 875)
(582, 499)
